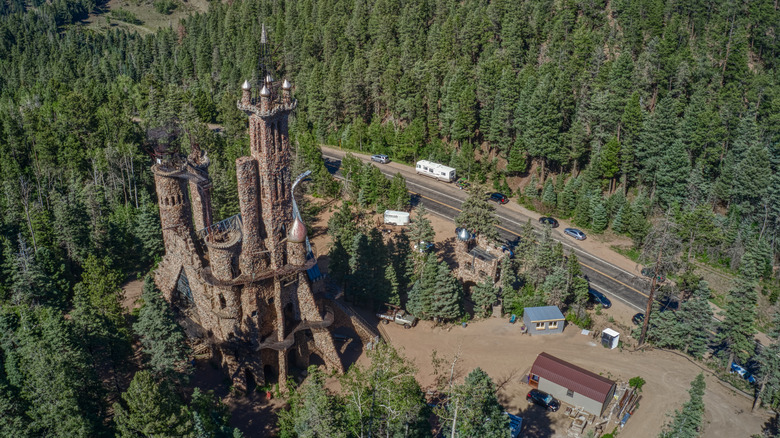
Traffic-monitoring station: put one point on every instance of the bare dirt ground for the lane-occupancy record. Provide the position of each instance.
(498, 348)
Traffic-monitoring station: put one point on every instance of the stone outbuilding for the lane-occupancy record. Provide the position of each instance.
(571, 384)
(477, 258)
(544, 320)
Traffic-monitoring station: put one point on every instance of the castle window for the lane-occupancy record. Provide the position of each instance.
(222, 303)
(254, 313)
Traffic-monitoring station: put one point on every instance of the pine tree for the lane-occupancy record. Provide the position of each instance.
(421, 229)
(769, 368)
(210, 417)
(555, 287)
(659, 133)
(338, 265)
(473, 410)
(484, 294)
(313, 410)
(549, 197)
(688, 421)
(600, 216)
(619, 221)
(161, 337)
(446, 296)
(393, 296)
(150, 408)
(672, 175)
(398, 195)
(420, 297)
(739, 321)
(508, 275)
(478, 215)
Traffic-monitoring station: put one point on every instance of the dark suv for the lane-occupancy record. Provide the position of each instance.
(600, 298)
(546, 220)
(499, 197)
(542, 398)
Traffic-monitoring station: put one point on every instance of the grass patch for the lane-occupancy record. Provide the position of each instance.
(632, 253)
(126, 16)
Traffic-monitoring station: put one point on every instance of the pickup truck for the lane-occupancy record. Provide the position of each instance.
(399, 317)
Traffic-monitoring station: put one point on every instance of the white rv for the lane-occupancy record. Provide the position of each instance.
(393, 217)
(436, 170)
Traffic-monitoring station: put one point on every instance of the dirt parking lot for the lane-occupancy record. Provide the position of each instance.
(498, 348)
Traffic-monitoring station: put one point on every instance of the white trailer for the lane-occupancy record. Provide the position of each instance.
(435, 170)
(393, 217)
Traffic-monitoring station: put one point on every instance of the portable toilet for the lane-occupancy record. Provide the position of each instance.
(610, 338)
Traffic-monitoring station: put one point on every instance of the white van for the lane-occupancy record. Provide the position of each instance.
(393, 217)
(435, 170)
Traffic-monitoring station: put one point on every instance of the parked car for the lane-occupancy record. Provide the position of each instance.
(742, 372)
(599, 298)
(380, 158)
(648, 272)
(542, 398)
(575, 233)
(398, 316)
(638, 319)
(499, 197)
(546, 220)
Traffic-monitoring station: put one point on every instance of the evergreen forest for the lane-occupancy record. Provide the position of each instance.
(624, 115)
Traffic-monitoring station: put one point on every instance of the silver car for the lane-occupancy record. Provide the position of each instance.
(575, 233)
(379, 158)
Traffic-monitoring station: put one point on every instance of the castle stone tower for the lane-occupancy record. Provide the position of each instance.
(244, 284)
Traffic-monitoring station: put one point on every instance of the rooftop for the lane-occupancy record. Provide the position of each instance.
(571, 376)
(482, 254)
(544, 313)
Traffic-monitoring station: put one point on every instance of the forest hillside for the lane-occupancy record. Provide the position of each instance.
(616, 113)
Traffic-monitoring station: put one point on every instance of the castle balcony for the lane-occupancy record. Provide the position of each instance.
(275, 108)
(244, 279)
(289, 340)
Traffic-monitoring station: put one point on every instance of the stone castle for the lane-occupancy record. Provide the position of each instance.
(245, 283)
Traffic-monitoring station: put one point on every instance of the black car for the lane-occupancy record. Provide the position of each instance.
(548, 221)
(638, 319)
(600, 298)
(499, 197)
(542, 398)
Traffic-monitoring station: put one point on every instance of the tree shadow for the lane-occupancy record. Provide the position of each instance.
(537, 422)
(447, 252)
(772, 426)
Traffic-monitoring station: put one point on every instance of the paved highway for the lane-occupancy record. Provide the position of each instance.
(439, 198)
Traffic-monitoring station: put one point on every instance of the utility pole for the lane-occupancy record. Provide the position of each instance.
(651, 297)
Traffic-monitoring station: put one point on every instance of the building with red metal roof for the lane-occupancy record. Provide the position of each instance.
(571, 384)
